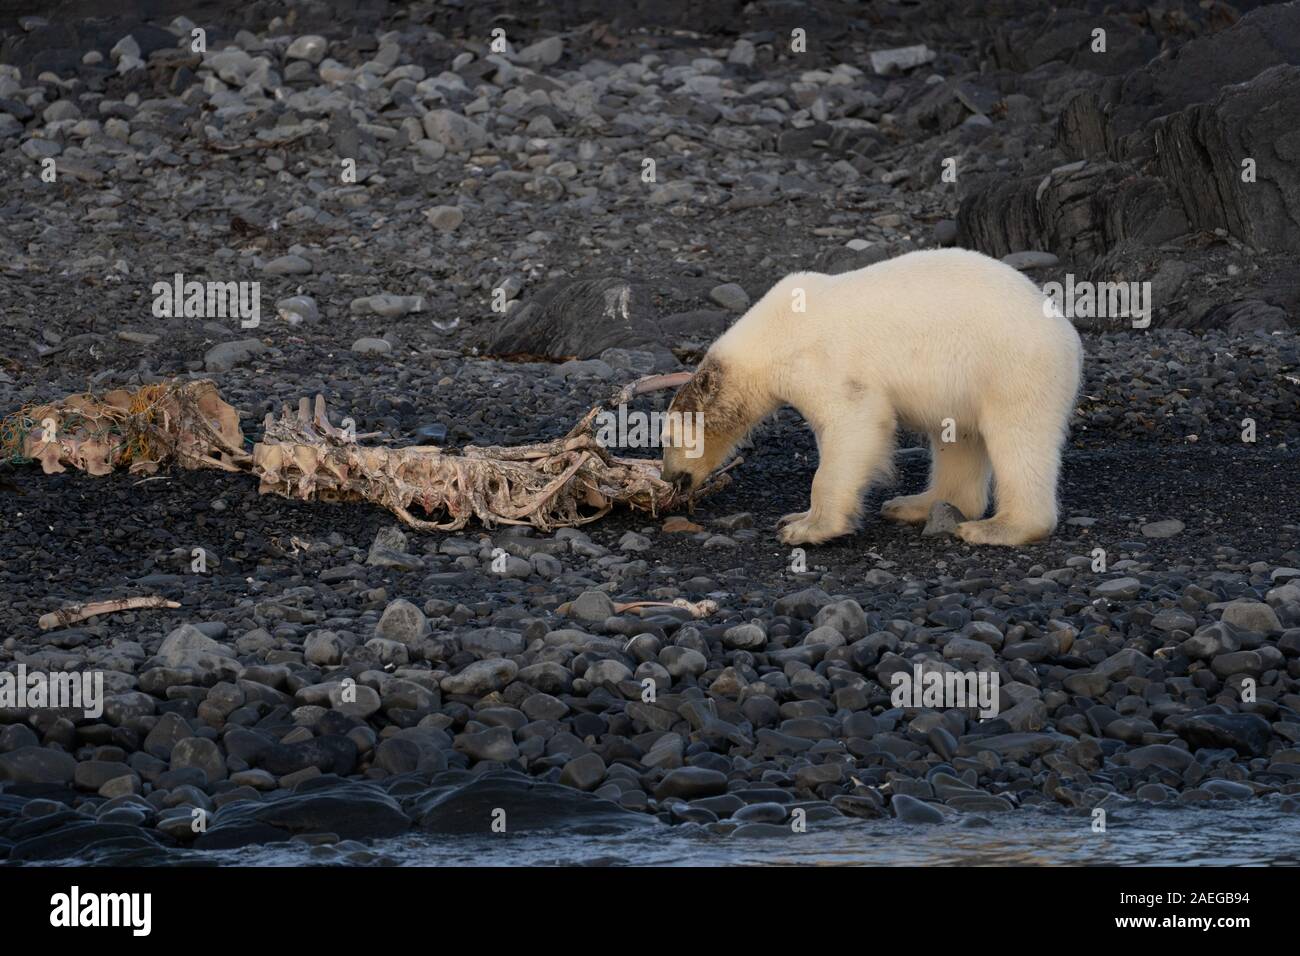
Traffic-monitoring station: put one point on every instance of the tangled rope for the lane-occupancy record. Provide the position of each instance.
(13, 436)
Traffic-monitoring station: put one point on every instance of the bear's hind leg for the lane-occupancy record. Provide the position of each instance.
(1026, 460)
(853, 448)
(959, 475)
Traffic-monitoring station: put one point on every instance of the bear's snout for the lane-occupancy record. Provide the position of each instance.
(682, 481)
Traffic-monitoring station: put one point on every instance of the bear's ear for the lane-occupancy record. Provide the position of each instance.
(707, 380)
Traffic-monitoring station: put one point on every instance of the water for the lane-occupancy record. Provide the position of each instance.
(1220, 835)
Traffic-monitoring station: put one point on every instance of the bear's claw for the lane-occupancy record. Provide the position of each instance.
(1000, 532)
(802, 529)
(908, 509)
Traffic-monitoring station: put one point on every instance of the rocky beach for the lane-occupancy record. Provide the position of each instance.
(466, 224)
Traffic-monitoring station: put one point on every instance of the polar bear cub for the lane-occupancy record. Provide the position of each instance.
(947, 342)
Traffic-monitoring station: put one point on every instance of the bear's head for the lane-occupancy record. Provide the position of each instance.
(708, 417)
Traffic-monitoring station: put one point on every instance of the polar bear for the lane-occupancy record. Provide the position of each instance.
(947, 342)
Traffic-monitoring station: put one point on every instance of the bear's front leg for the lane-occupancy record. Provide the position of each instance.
(853, 449)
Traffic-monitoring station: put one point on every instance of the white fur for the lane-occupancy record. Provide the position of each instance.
(929, 336)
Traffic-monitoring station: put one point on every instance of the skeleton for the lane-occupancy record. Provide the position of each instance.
(566, 482)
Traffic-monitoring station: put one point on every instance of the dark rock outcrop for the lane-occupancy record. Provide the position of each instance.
(1190, 152)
